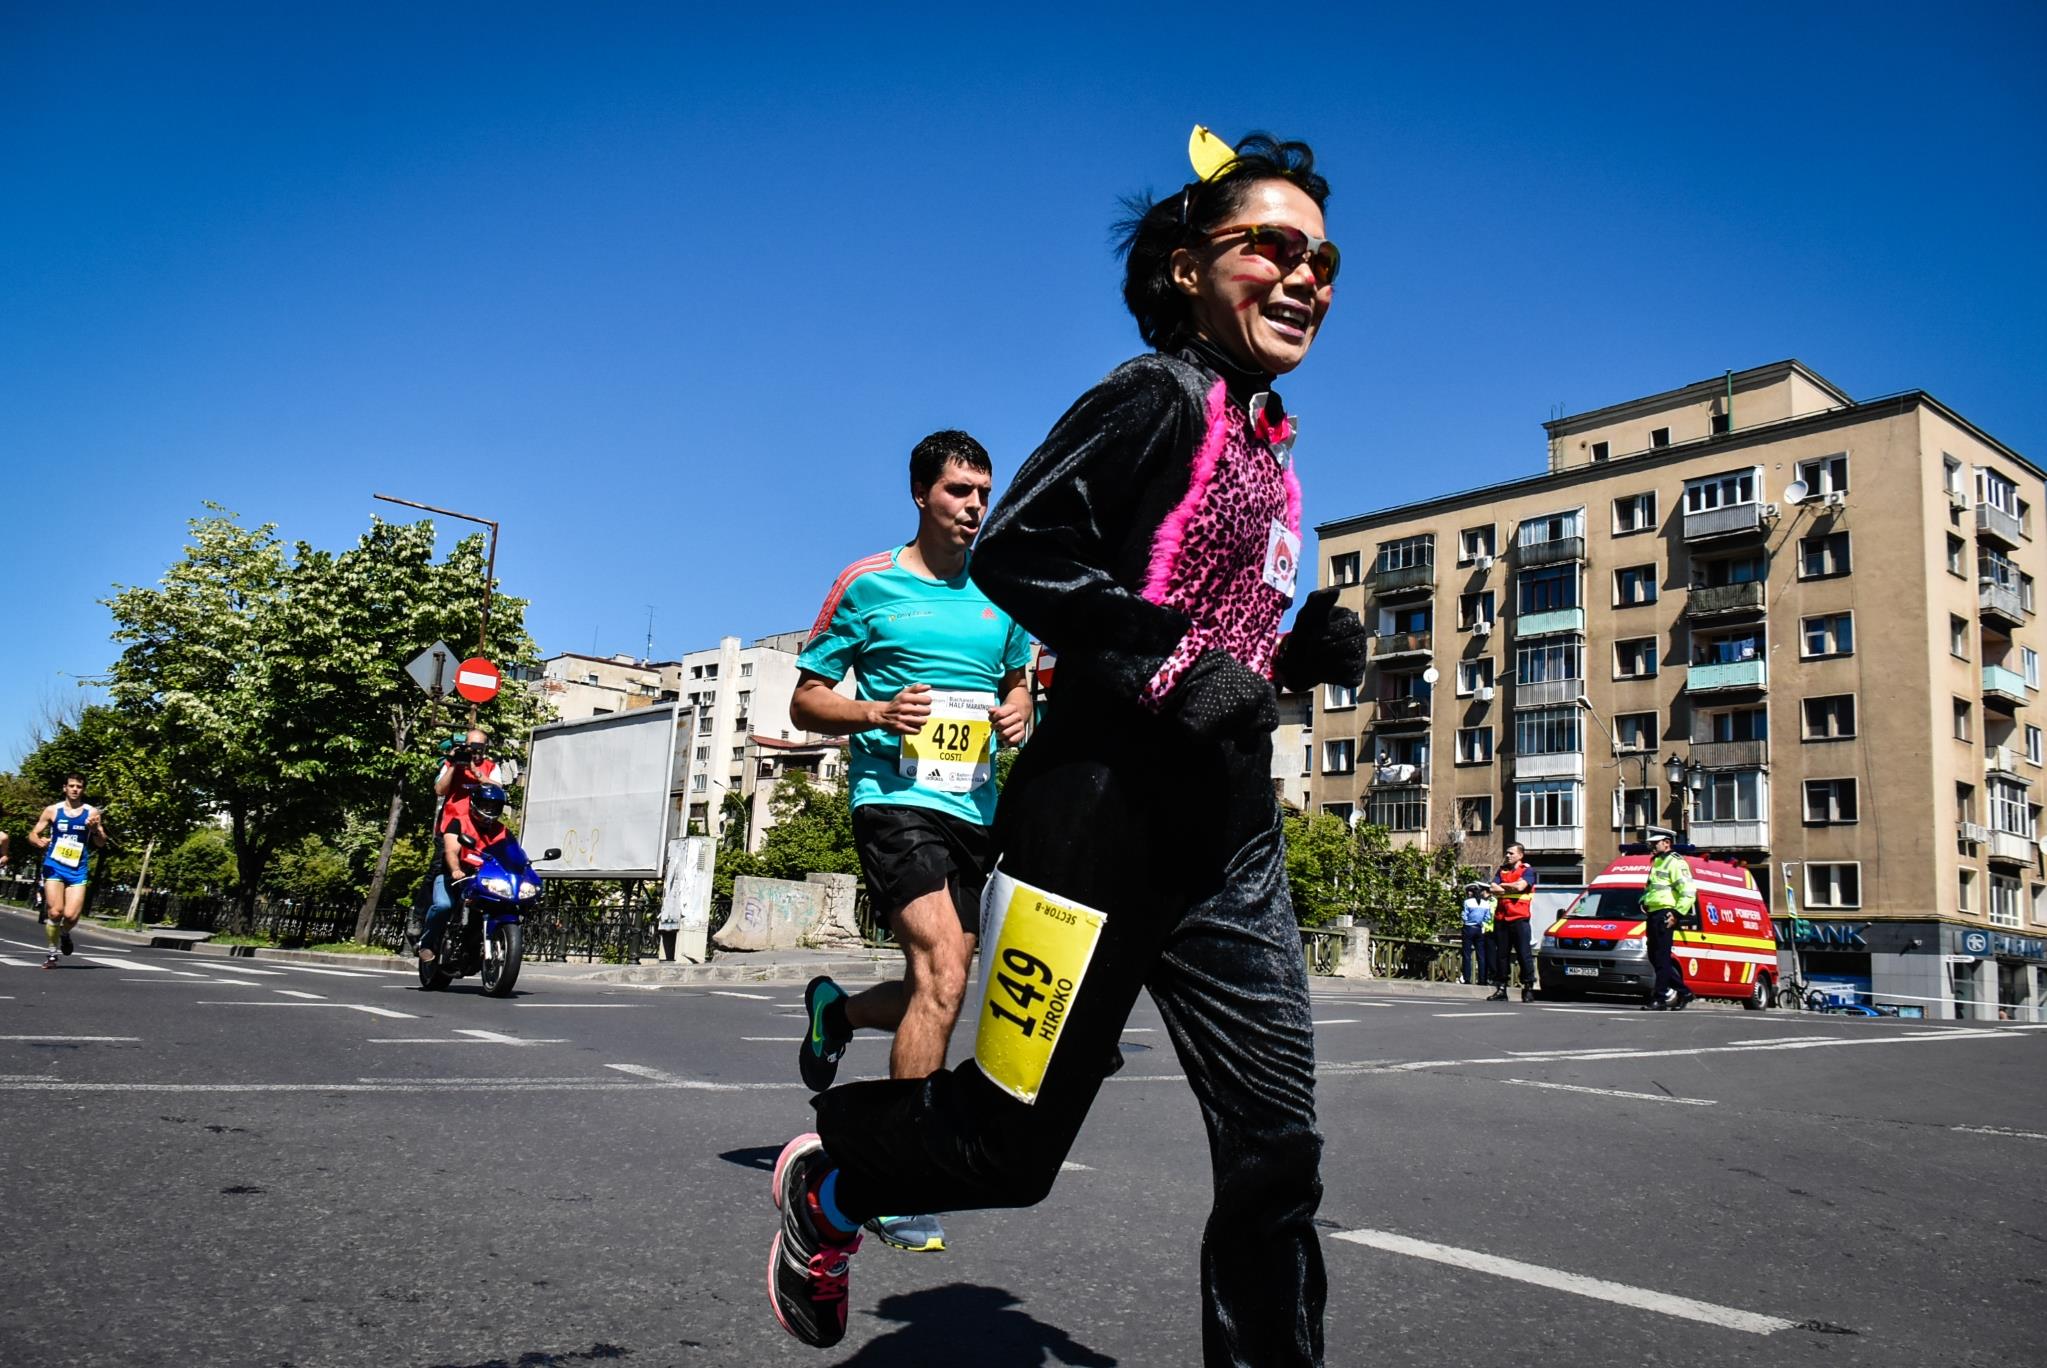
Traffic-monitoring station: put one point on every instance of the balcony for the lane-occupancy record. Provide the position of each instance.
(1729, 835)
(1732, 521)
(1555, 551)
(1732, 754)
(1547, 624)
(1554, 765)
(1995, 525)
(1725, 600)
(2005, 687)
(2000, 603)
(1392, 645)
(1972, 833)
(1544, 692)
(2010, 848)
(1402, 712)
(1409, 776)
(1402, 580)
(1733, 674)
(1551, 838)
(2003, 762)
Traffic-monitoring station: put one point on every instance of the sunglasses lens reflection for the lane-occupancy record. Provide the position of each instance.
(1284, 246)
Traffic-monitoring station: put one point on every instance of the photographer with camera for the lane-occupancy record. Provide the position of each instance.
(468, 767)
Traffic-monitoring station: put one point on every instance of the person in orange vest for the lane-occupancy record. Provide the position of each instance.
(1514, 886)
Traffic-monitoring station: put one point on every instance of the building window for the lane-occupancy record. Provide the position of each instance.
(2010, 813)
(703, 723)
(1546, 660)
(1659, 437)
(1400, 809)
(1547, 590)
(2033, 744)
(2029, 666)
(1339, 757)
(1995, 490)
(1474, 542)
(1307, 757)
(1722, 423)
(1635, 659)
(697, 783)
(1600, 451)
(1634, 807)
(1829, 718)
(1830, 802)
(703, 755)
(1744, 569)
(1547, 731)
(1634, 585)
(1957, 637)
(1833, 885)
(1474, 745)
(1550, 527)
(2004, 901)
(589, 679)
(1552, 803)
(1407, 553)
(1830, 635)
(1963, 730)
(1473, 675)
(1827, 475)
(1721, 491)
(1965, 890)
(1823, 557)
(1965, 802)
(710, 671)
(1951, 475)
(1343, 569)
(1473, 609)
(1635, 513)
(1339, 696)
(1957, 556)
(739, 752)
(2039, 904)
(1742, 724)
(2026, 591)
(1475, 815)
(1346, 812)
(1732, 796)
(1635, 732)
(746, 669)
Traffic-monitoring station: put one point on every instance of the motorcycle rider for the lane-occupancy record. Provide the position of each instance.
(468, 835)
(1667, 899)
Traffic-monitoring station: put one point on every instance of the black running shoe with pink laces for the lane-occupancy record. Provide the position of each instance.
(807, 1263)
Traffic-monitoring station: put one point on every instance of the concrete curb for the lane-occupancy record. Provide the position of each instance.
(196, 943)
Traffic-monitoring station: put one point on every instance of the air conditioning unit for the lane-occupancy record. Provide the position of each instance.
(1999, 758)
(1485, 694)
(1482, 627)
(1958, 498)
(1835, 499)
(1483, 563)
(1769, 510)
(1974, 833)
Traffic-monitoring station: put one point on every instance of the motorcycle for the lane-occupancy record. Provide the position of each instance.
(482, 935)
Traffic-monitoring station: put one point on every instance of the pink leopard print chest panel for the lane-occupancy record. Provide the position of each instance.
(1208, 556)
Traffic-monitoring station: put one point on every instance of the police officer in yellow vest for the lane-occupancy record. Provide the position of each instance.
(1667, 899)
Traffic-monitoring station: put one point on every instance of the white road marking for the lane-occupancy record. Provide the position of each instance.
(1591, 1011)
(99, 1040)
(111, 950)
(645, 1071)
(2029, 1026)
(772, 1040)
(349, 1006)
(727, 992)
(240, 969)
(460, 1082)
(1068, 1166)
(591, 1006)
(1615, 1092)
(591, 1085)
(142, 966)
(1586, 1056)
(1336, 1021)
(15, 963)
(1140, 1030)
(26, 945)
(1500, 1015)
(293, 992)
(331, 973)
(1599, 1289)
(1999, 1130)
(499, 1038)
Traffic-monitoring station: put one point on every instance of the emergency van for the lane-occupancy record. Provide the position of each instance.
(1724, 949)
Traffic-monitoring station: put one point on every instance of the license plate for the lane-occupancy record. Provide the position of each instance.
(1576, 969)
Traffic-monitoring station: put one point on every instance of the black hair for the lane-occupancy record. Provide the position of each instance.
(929, 458)
(74, 774)
(1152, 230)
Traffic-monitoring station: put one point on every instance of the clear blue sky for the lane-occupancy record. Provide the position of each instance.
(672, 296)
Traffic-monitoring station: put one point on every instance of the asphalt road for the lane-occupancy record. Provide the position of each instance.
(271, 1164)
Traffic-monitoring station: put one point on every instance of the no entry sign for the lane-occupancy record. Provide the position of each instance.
(476, 679)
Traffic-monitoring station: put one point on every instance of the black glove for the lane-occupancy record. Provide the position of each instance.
(1219, 699)
(1327, 645)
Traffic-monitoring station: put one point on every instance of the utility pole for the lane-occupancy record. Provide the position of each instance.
(490, 569)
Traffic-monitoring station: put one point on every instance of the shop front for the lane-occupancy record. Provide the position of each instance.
(1918, 968)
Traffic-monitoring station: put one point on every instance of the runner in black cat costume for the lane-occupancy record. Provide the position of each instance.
(1152, 541)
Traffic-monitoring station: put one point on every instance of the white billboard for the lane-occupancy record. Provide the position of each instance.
(599, 788)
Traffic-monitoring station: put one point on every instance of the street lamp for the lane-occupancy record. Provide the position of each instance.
(1583, 702)
(1686, 777)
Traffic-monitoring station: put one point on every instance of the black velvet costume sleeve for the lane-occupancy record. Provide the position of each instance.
(1067, 544)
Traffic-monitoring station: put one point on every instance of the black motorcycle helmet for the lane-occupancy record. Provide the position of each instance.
(489, 802)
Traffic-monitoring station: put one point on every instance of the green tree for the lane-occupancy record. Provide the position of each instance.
(812, 834)
(202, 864)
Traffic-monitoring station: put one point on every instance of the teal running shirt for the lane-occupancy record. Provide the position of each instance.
(893, 628)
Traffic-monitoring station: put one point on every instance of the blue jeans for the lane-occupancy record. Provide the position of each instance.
(437, 914)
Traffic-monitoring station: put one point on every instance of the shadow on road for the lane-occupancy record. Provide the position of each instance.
(945, 1324)
(760, 1157)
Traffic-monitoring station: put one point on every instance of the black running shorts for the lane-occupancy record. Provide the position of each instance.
(906, 852)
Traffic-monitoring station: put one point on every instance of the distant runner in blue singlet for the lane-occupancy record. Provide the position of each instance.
(67, 833)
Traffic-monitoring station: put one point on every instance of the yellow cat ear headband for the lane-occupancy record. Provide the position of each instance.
(1210, 156)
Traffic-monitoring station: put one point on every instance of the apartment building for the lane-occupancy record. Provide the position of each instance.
(576, 686)
(1799, 628)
